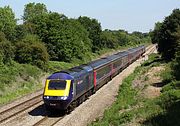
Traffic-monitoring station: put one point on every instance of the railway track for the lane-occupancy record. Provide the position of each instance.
(48, 121)
(10, 112)
(150, 49)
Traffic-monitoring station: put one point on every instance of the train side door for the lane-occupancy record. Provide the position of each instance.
(74, 88)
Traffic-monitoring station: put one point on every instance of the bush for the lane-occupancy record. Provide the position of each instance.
(31, 50)
(169, 97)
(167, 74)
(6, 52)
(171, 86)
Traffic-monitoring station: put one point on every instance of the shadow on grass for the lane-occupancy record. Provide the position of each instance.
(159, 84)
(157, 60)
(169, 118)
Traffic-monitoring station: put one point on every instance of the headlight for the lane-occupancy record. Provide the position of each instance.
(56, 97)
(64, 98)
(46, 97)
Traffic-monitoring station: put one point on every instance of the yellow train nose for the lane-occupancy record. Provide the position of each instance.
(53, 88)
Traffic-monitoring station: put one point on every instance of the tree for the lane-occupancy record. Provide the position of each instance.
(122, 37)
(109, 40)
(167, 44)
(155, 34)
(33, 10)
(68, 41)
(94, 29)
(44, 23)
(7, 22)
(176, 63)
(21, 31)
(64, 38)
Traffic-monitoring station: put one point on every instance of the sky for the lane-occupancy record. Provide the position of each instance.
(129, 15)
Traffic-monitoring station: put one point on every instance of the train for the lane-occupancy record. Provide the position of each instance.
(66, 89)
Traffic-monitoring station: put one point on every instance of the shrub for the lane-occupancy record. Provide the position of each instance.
(31, 50)
(170, 86)
(169, 97)
(6, 52)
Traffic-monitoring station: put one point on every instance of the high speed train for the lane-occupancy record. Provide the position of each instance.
(67, 89)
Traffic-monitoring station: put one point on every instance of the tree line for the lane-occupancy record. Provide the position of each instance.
(167, 35)
(45, 35)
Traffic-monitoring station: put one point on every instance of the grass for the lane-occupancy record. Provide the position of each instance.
(54, 66)
(131, 108)
(17, 80)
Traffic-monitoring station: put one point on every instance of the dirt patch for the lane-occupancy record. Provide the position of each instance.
(151, 92)
(154, 74)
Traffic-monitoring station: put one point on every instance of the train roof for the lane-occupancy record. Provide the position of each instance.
(117, 55)
(131, 50)
(98, 63)
(78, 70)
(60, 76)
(113, 57)
(122, 54)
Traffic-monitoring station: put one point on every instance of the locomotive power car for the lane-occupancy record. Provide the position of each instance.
(67, 89)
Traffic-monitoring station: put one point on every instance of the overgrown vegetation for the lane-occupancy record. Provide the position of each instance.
(17, 80)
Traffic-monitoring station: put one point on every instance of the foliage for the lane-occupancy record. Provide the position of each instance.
(94, 29)
(170, 114)
(176, 62)
(164, 35)
(32, 10)
(17, 80)
(167, 74)
(170, 86)
(109, 40)
(54, 66)
(6, 52)
(31, 50)
(155, 34)
(7, 22)
(21, 31)
(114, 39)
(2, 37)
(71, 42)
(65, 39)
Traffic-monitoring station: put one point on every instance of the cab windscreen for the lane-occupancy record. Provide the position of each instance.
(57, 85)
